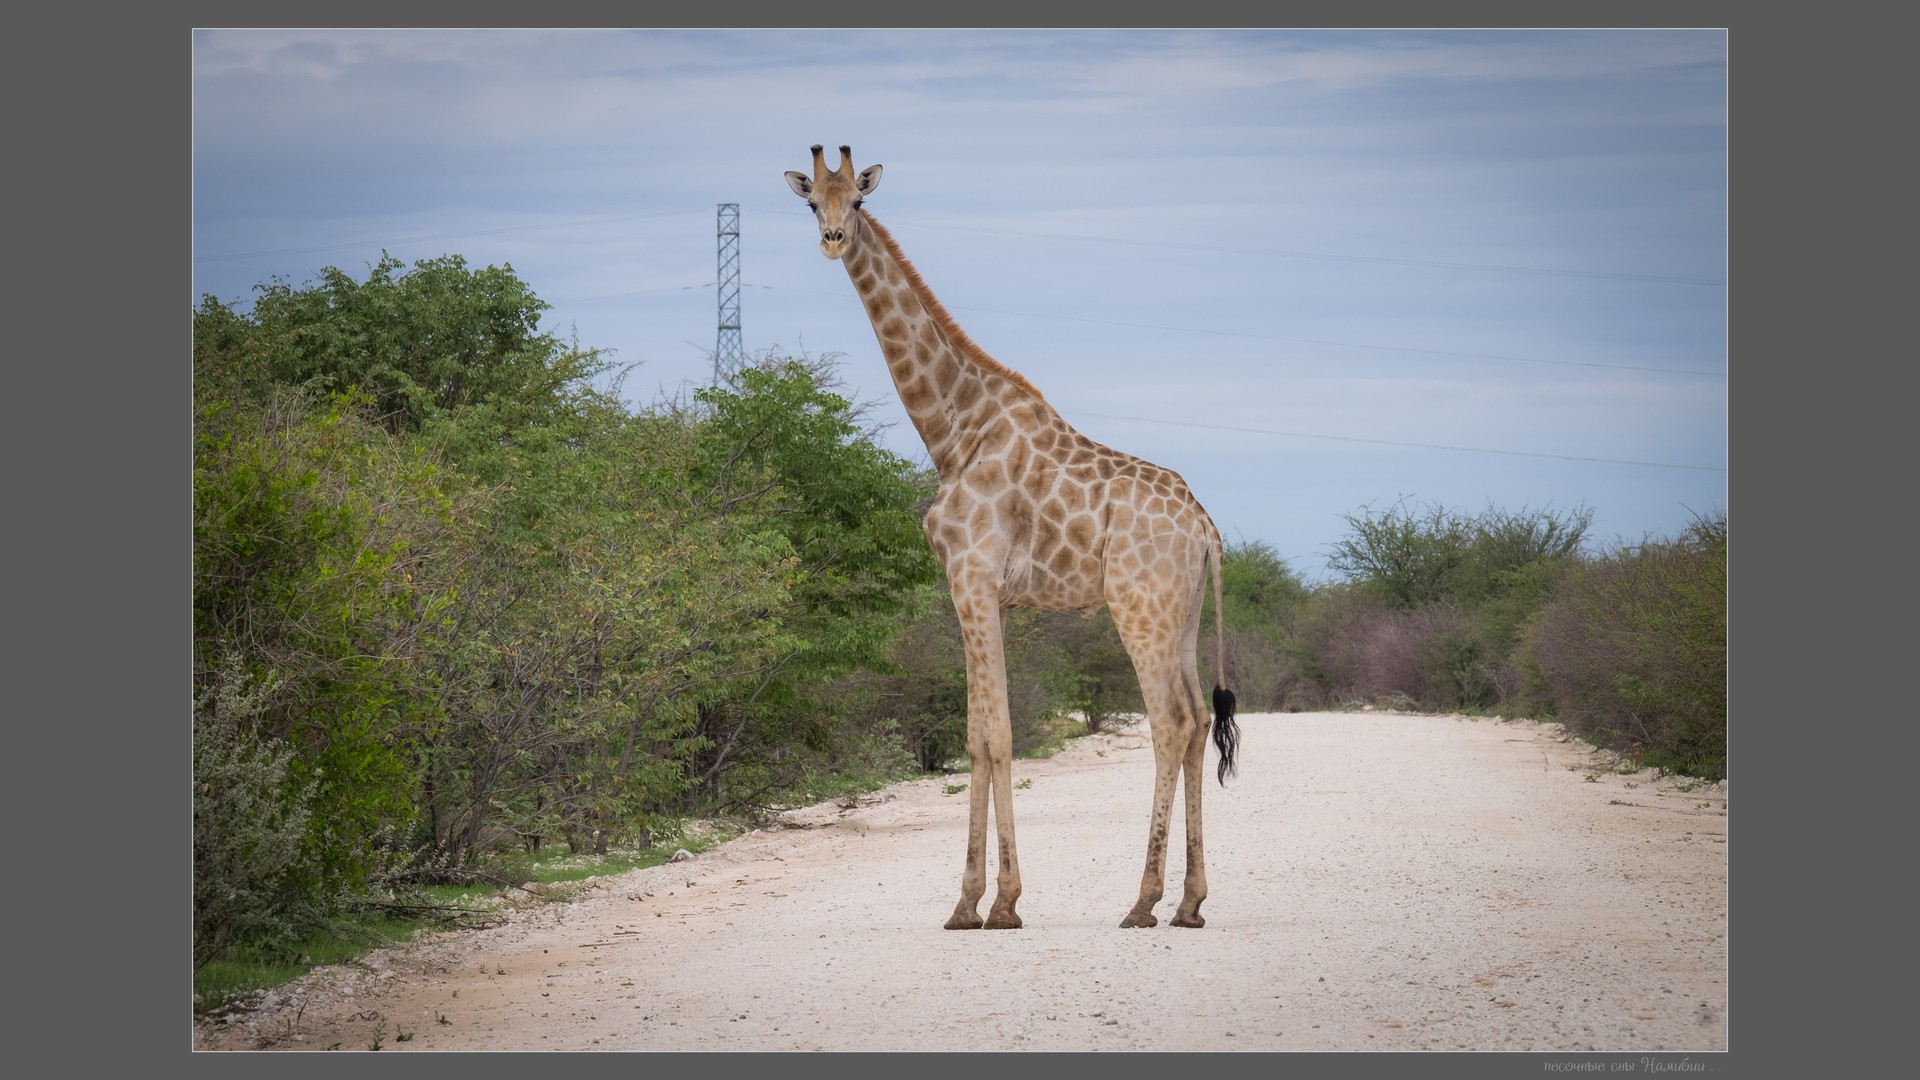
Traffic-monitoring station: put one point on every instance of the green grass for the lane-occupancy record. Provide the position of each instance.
(225, 980)
(546, 876)
(1048, 736)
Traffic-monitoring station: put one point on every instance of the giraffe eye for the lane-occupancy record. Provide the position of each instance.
(856, 204)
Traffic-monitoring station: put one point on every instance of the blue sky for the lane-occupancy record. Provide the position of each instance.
(1313, 271)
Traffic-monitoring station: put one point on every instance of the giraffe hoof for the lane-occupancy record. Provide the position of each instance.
(1140, 920)
(966, 921)
(1003, 921)
(1193, 921)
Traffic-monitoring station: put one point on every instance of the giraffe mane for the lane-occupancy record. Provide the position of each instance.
(944, 320)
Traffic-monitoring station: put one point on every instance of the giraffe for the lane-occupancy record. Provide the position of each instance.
(1032, 513)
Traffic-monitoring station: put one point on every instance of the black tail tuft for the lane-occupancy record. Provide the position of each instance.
(1226, 734)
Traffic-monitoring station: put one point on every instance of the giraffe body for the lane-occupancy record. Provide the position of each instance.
(1032, 513)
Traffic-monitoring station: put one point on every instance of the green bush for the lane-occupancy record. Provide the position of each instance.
(250, 824)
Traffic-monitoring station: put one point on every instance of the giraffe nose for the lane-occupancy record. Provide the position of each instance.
(833, 236)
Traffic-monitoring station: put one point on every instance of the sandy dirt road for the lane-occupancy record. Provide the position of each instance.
(1378, 881)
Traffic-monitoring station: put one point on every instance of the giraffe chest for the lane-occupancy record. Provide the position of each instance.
(1038, 530)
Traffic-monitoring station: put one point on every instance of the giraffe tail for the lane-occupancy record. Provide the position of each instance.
(1226, 734)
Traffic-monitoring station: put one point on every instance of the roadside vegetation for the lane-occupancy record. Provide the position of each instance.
(467, 624)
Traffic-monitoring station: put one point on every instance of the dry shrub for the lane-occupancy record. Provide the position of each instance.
(1632, 652)
(1263, 674)
(1354, 647)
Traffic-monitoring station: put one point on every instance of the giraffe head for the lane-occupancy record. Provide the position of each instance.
(834, 197)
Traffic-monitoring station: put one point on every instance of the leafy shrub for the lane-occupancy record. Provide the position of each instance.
(249, 825)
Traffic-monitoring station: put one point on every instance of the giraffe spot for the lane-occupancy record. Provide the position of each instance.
(1076, 496)
(966, 393)
(1018, 514)
(1037, 483)
(986, 476)
(1063, 562)
(1080, 531)
(1055, 511)
(917, 396)
(893, 328)
(945, 370)
(996, 439)
(1046, 536)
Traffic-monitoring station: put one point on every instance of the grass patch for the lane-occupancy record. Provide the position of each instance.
(547, 877)
(1047, 736)
(230, 979)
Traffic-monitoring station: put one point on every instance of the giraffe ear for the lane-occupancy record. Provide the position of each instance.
(800, 184)
(869, 179)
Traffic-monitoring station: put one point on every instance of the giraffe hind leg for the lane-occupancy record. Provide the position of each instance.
(1167, 723)
(1194, 780)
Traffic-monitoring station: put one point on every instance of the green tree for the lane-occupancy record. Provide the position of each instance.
(1263, 599)
(313, 571)
(418, 342)
(1405, 556)
(784, 458)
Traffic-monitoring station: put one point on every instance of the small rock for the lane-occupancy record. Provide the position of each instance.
(681, 856)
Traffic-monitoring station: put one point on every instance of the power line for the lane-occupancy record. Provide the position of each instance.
(1357, 345)
(1303, 341)
(440, 236)
(631, 292)
(1390, 442)
(1432, 264)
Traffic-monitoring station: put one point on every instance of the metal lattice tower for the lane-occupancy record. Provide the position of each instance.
(727, 355)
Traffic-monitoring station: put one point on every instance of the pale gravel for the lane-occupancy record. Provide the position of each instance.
(1379, 881)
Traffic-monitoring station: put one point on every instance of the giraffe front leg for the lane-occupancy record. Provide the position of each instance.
(973, 880)
(1003, 917)
(989, 747)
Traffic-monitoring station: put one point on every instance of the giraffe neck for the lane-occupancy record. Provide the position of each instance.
(950, 387)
